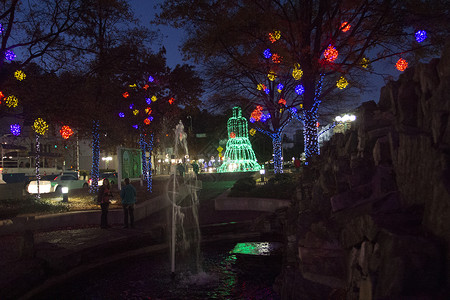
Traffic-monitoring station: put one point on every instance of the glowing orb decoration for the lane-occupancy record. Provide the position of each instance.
(151, 79)
(297, 73)
(267, 91)
(401, 65)
(261, 87)
(365, 62)
(126, 95)
(267, 53)
(147, 121)
(15, 129)
(133, 86)
(121, 115)
(148, 110)
(1, 28)
(135, 112)
(299, 89)
(271, 76)
(232, 135)
(150, 118)
(420, 35)
(40, 126)
(66, 132)
(275, 36)
(276, 58)
(1, 96)
(330, 53)
(131, 106)
(317, 124)
(135, 126)
(301, 105)
(148, 100)
(154, 98)
(20, 75)
(11, 101)
(345, 26)
(342, 83)
(10, 55)
(280, 86)
(145, 87)
(256, 113)
(171, 100)
(282, 101)
(252, 131)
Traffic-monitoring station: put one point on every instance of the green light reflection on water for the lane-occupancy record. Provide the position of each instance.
(252, 248)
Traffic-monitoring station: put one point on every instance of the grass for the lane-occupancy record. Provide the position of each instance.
(79, 200)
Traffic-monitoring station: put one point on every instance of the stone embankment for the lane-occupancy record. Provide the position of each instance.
(371, 219)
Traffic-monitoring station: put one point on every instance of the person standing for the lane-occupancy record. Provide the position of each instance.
(128, 195)
(104, 196)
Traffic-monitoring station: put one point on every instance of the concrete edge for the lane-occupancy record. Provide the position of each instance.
(79, 218)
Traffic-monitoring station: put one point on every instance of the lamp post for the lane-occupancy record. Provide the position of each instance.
(65, 194)
(262, 172)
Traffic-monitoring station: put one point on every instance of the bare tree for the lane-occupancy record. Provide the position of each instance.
(317, 44)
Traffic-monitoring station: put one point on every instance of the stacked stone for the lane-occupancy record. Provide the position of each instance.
(372, 219)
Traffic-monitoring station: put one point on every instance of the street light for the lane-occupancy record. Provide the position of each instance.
(262, 172)
(107, 159)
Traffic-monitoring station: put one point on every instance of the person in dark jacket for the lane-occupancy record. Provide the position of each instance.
(128, 195)
(103, 198)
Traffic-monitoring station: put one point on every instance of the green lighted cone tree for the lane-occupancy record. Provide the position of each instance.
(239, 155)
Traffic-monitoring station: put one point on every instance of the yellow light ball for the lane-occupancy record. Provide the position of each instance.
(11, 101)
(20, 75)
(342, 83)
(40, 126)
(154, 98)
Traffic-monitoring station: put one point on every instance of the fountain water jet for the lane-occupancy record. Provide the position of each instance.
(182, 192)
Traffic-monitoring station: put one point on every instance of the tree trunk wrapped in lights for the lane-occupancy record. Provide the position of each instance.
(95, 156)
(239, 155)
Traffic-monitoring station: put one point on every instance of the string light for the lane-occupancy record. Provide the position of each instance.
(297, 72)
(66, 132)
(151, 79)
(299, 89)
(154, 98)
(401, 65)
(345, 26)
(145, 87)
(126, 95)
(330, 53)
(271, 76)
(133, 86)
(148, 101)
(148, 110)
(267, 53)
(280, 87)
(276, 58)
(1, 28)
(20, 75)
(131, 106)
(135, 112)
(40, 126)
(257, 112)
(171, 100)
(95, 172)
(365, 62)
(252, 131)
(267, 91)
(147, 121)
(275, 36)
(15, 129)
(342, 83)
(282, 101)
(10, 55)
(1, 96)
(420, 35)
(11, 101)
(239, 155)
(261, 87)
(121, 115)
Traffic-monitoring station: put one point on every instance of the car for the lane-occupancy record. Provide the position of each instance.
(69, 180)
(111, 176)
(47, 184)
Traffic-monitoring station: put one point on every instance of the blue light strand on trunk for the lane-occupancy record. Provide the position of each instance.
(95, 156)
(142, 144)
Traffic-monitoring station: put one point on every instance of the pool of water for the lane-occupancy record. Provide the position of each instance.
(149, 277)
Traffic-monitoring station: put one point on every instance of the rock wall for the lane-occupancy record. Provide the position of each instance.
(371, 219)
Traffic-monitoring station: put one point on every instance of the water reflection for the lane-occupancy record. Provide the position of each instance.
(149, 278)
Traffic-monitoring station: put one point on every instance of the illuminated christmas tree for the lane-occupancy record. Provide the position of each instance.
(239, 155)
